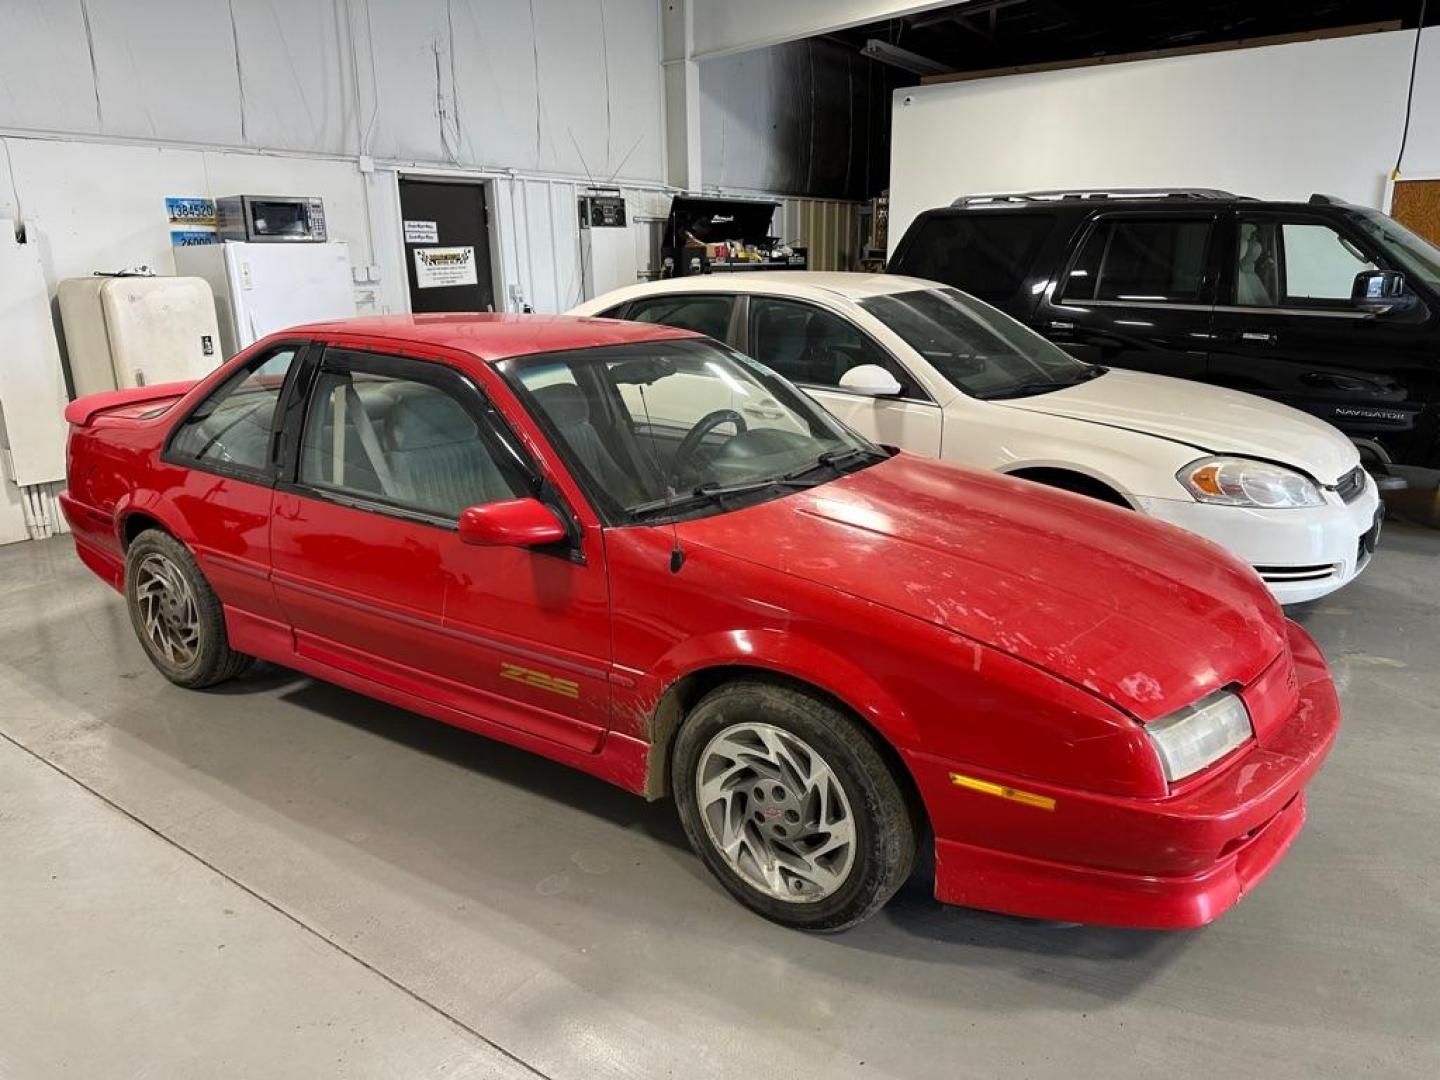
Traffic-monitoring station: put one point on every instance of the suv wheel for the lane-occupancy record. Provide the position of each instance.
(176, 615)
(790, 804)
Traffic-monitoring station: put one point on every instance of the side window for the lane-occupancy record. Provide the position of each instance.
(709, 315)
(1320, 264)
(984, 253)
(396, 440)
(812, 346)
(1142, 259)
(232, 427)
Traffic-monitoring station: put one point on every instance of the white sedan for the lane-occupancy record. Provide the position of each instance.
(922, 366)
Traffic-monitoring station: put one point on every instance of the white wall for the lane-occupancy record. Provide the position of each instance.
(1278, 122)
(442, 82)
(107, 107)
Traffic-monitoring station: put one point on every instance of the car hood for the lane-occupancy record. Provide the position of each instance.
(1143, 614)
(1209, 418)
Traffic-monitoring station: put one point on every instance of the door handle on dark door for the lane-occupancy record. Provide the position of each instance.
(1257, 335)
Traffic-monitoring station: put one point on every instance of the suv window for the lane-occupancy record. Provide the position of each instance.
(1142, 259)
(984, 253)
(814, 347)
(405, 442)
(1296, 263)
(709, 315)
(231, 428)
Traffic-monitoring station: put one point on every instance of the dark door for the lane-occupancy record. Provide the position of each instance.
(1287, 329)
(1137, 294)
(447, 245)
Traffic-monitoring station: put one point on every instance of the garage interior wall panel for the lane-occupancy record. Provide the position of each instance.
(1278, 122)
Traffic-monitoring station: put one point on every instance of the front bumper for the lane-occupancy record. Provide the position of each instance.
(1170, 863)
(1301, 554)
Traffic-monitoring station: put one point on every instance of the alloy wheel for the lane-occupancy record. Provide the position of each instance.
(168, 610)
(776, 812)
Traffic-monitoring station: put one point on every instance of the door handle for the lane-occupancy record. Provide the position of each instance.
(1256, 335)
(762, 412)
(1060, 324)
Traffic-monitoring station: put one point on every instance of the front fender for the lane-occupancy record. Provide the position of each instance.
(785, 653)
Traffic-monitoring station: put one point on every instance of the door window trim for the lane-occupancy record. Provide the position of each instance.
(303, 349)
(500, 441)
(747, 347)
(1333, 308)
(1207, 279)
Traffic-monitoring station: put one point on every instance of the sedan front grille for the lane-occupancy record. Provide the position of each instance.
(1350, 486)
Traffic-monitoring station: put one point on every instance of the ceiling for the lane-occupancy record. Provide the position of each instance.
(985, 34)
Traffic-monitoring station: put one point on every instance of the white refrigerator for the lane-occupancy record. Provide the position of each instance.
(262, 288)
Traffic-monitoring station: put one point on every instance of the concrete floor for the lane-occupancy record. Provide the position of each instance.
(284, 879)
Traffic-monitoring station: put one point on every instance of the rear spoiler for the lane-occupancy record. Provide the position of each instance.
(82, 410)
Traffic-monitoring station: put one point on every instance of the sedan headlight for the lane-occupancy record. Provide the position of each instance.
(1199, 735)
(1235, 481)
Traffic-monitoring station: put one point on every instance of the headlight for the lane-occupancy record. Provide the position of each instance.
(1234, 481)
(1198, 735)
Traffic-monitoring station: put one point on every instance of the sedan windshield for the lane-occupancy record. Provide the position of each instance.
(1413, 254)
(662, 429)
(978, 349)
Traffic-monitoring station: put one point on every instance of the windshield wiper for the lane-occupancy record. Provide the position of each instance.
(719, 494)
(1044, 386)
(840, 462)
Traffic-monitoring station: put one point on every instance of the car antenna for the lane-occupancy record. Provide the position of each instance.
(677, 553)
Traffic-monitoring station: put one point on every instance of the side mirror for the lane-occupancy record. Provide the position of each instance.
(512, 523)
(1379, 291)
(872, 380)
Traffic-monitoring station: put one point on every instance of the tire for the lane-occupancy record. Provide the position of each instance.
(751, 739)
(176, 615)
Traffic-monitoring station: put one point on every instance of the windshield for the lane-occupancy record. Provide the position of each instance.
(1414, 254)
(661, 429)
(978, 349)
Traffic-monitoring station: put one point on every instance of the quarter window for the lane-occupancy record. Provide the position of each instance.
(1304, 264)
(399, 441)
(812, 346)
(1142, 260)
(985, 253)
(708, 315)
(232, 427)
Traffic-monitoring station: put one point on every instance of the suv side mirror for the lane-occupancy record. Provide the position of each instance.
(872, 380)
(1379, 291)
(512, 523)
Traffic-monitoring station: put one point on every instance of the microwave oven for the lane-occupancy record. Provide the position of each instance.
(270, 219)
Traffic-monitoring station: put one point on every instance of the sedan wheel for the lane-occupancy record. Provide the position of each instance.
(176, 615)
(168, 611)
(776, 811)
(792, 804)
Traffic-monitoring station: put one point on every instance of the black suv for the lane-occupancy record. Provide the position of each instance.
(1329, 307)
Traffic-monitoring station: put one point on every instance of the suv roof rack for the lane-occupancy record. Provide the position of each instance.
(993, 198)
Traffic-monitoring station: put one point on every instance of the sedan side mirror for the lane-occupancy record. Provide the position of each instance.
(512, 523)
(1379, 291)
(872, 380)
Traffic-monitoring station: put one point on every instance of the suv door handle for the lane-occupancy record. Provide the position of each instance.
(1256, 335)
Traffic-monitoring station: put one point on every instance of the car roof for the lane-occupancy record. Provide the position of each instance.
(497, 336)
(853, 286)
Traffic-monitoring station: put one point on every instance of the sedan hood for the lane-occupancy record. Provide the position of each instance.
(1209, 418)
(1144, 615)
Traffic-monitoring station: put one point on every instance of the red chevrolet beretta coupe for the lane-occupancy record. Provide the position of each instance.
(633, 550)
